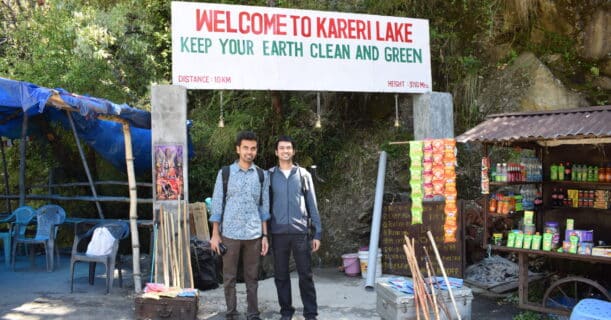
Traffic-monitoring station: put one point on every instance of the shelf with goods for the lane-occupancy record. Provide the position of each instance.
(513, 187)
(580, 137)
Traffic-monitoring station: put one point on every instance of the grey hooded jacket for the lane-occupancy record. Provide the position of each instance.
(288, 203)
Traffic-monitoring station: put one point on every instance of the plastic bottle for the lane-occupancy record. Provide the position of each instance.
(560, 171)
(553, 172)
(567, 171)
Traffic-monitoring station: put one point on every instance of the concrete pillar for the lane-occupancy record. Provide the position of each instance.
(433, 116)
(170, 156)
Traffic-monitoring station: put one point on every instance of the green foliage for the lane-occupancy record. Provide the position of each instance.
(528, 315)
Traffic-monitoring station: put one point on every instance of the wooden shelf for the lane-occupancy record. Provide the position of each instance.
(513, 183)
(552, 254)
(581, 184)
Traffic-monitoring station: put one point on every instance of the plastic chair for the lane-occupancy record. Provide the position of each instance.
(48, 218)
(591, 309)
(6, 236)
(119, 230)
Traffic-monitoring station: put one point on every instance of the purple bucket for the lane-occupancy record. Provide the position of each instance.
(352, 267)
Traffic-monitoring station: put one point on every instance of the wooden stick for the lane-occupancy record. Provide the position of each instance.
(428, 273)
(188, 236)
(173, 258)
(164, 247)
(416, 300)
(419, 287)
(180, 263)
(443, 271)
(417, 275)
(441, 305)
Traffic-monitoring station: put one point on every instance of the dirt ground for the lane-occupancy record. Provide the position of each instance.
(32, 293)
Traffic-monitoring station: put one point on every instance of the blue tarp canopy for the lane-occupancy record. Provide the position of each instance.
(104, 136)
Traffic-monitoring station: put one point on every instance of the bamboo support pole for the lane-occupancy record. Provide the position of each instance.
(133, 206)
(188, 236)
(443, 271)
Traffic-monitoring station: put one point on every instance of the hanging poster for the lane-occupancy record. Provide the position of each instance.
(168, 172)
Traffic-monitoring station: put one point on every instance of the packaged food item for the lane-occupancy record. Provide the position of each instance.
(519, 240)
(528, 217)
(547, 241)
(536, 242)
(570, 224)
(574, 242)
(527, 241)
(585, 248)
(497, 239)
(552, 228)
(511, 239)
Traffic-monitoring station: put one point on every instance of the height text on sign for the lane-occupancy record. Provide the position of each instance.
(218, 46)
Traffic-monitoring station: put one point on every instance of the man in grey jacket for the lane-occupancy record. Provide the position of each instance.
(293, 213)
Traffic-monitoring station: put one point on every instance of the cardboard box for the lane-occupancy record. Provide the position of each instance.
(602, 251)
(391, 304)
(178, 308)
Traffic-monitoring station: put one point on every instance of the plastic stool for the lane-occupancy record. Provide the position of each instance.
(591, 309)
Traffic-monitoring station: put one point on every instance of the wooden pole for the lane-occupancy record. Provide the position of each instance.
(84, 161)
(7, 187)
(180, 264)
(188, 236)
(164, 247)
(428, 273)
(133, 205)
(22, 163)
(443, 271)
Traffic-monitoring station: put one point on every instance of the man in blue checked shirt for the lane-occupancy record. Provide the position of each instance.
(241, 224)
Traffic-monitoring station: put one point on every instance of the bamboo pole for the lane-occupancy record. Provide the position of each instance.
(428, 273)
(180, 264)
(85, 164)
(164, 247)
(443, 271)
(7, 186)
(22, 162)
(442, 306)
(174, 256)
(188, 236)
(419, 286)
(133, 206)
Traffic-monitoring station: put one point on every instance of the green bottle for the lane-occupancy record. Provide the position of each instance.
(553, 172)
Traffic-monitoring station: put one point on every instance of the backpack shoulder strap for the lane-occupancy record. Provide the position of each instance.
(225, 175)
(304, 190)
(261, 179)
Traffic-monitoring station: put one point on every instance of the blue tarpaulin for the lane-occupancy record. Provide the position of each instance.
(104, 136)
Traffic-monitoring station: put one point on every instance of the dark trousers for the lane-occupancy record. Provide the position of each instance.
(251, 251)
(301, 247)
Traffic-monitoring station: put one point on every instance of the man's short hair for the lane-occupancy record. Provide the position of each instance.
(245, 135)
(285, 139)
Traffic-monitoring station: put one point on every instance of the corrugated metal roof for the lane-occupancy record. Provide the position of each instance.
(580, 123)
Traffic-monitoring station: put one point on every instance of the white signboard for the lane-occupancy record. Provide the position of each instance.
(216, 46)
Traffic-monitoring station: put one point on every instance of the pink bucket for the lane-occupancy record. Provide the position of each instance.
(351, 264)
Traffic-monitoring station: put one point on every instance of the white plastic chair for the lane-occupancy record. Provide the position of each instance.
(48, 218)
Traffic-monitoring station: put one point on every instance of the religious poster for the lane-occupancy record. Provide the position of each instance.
(168, 172)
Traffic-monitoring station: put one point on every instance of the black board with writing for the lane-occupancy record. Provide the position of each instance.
(397, 222)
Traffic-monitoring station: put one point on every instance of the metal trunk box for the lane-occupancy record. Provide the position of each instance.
(392, 304)
(178, 308)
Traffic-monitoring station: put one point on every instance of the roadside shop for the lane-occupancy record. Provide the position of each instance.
(546, 178)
